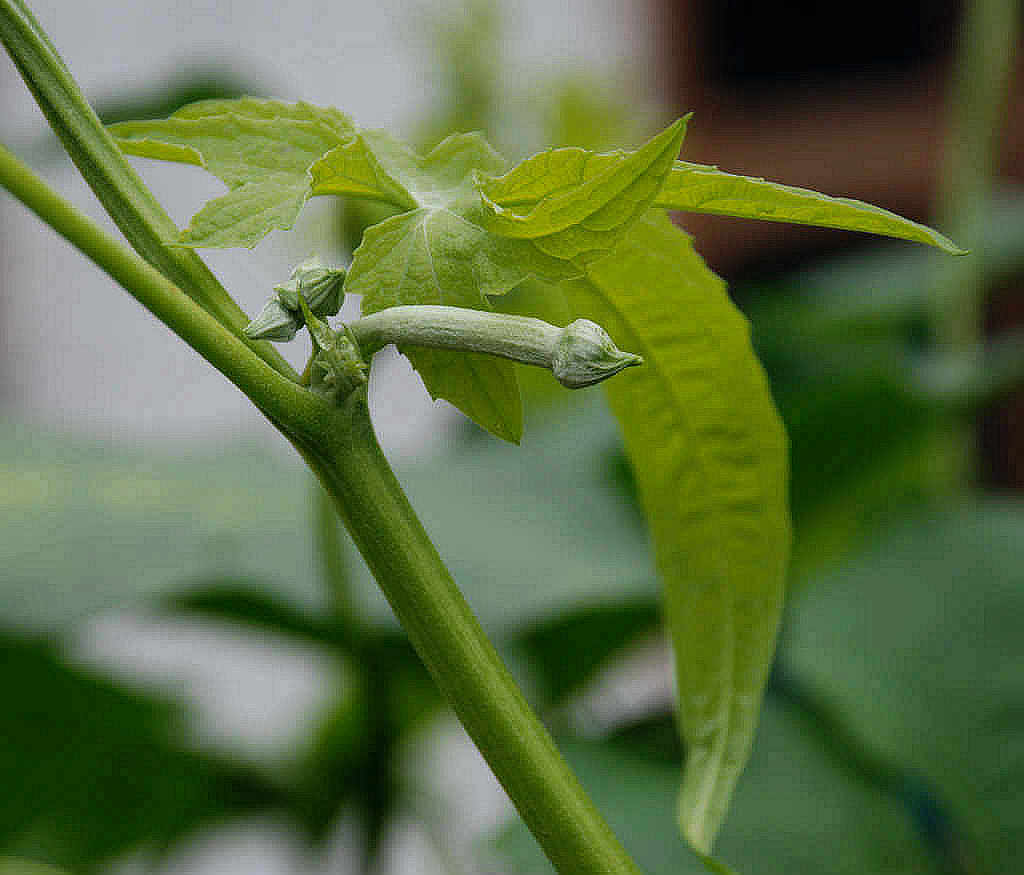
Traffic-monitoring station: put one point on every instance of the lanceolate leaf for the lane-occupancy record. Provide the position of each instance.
(710, 457)
(699, 188)
(573, 203)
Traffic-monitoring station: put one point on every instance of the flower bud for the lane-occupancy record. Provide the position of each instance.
(338, 367)
(274, 322)
(320, 286)
(585, 354)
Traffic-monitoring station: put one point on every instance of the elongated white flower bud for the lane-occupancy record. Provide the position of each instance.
(579, 355)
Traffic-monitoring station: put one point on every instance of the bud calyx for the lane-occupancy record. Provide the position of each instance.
(585, 354)
(281, 316)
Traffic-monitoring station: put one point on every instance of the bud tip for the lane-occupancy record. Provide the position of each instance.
(586, 355)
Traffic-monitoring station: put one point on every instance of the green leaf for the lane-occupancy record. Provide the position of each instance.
(11, 866)
(354, 168)
(441, 253)
(800, 810)
(574, 203)
(92, 770)
(916, 649)
(243, 514)
(700, 188)
(260, 108)
(261, 149)
(709, 452)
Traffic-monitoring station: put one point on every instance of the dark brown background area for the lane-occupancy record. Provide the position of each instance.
(846, 98)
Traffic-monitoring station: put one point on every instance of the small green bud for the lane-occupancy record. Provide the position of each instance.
(585, 354)
(273, 322)
(320, 286)
(338, 367)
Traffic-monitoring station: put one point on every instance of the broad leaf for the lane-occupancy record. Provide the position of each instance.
(441, 253)
(13, 866)
(800, 810)
(916, 649)
(700, 188)
(244, 514)
(573, 203)
(261, 149)
(709, 453)
(93, 770)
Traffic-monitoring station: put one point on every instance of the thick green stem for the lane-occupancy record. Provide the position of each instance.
(339, 444)
(130, 204)
(453, 646)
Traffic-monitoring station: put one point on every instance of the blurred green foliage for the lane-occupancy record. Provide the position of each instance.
(893, 733)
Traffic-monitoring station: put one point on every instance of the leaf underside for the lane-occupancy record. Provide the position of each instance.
(261, 149)
(710, 457)
(439, 253)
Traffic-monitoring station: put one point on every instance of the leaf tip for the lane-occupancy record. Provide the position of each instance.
(695, 830)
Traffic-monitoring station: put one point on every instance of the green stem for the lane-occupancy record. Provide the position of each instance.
(340, 446)
(980, 86)
(981, 82)
(460, 658)
(130, 204)
(330, 553)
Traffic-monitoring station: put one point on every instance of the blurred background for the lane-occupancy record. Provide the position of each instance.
(199, 676)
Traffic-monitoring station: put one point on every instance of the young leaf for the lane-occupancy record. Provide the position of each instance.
(354, 169)
(575, 203)
(699, 188)
(440, 253)
(709, 452)
(261, 149)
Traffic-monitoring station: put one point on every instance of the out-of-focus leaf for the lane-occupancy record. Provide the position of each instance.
(700, 188)
(149, 524)
(710, 456)
(863, 450)
(567, 650)
(11, 866)
(239, 601)
(91, 770)
(917, 648)
(87, 527)
(855, 298)
(568, 539)
(798, 811)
